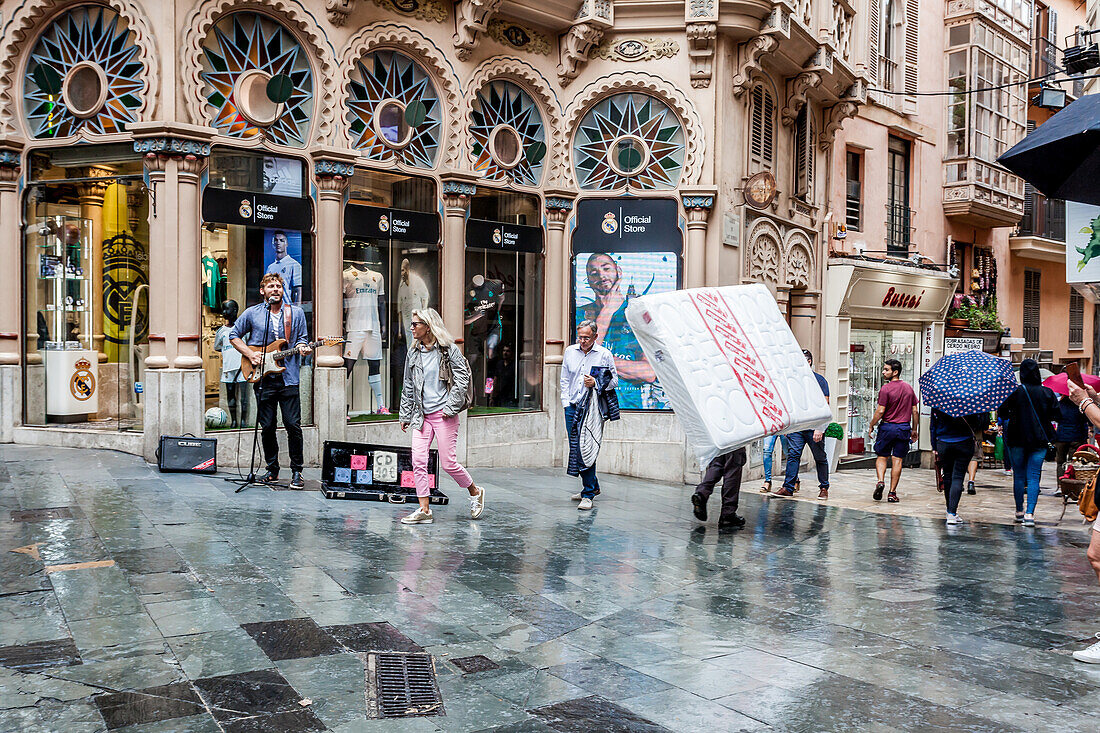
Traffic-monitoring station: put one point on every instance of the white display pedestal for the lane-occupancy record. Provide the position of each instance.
(832, 452)
(72, 384)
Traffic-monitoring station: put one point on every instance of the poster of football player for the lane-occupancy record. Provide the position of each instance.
(283, 256)
(603, 285)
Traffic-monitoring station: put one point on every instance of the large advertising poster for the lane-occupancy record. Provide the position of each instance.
(1082, 243)
(283, 256)
(604, 283)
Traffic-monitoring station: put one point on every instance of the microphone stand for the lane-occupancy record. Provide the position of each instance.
(251, 480)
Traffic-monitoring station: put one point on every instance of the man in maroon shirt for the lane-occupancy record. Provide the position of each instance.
(900, 417)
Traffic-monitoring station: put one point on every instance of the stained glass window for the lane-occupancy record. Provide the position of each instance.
(393, 110)
(83, 74)
(258, 80)
(509, 139)
(629, 140)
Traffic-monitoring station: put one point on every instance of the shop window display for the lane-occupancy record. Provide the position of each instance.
(868, 350)
(237, 251)
(503, 317)
(85, 289)
(391, 268)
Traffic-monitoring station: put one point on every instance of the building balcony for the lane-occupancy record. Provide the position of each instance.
(1042, 231)
(981, 194)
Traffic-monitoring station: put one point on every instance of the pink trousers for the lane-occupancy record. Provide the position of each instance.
(445, 430)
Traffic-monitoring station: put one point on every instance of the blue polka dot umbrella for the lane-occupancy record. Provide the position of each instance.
(968, 383)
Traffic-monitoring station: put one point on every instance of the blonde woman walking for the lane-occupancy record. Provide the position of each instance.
(430, 406)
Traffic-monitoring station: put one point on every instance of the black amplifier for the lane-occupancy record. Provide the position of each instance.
(187, 454)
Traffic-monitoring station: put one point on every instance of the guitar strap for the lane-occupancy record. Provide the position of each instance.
(286, 326)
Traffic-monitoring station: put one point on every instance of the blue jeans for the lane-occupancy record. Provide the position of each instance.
(769, 450)
(796, 442)
(588, 476)
(1027, 467)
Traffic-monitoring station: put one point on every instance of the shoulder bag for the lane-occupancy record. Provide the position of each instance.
(446, 373)
(1035, 414)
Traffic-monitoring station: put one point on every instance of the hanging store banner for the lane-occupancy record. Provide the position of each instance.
(494, 235)
(378, 222)
(1082, 243)
(627, 225)
(229, 206)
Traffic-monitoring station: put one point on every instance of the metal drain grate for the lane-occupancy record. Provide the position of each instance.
(402, 685)
(476, 663)
(41, 515)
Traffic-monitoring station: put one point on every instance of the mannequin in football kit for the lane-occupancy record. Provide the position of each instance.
(365, 310)
(412, 295)
(483, 313)
(231, 364)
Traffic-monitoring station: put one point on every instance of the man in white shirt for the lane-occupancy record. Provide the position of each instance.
(576, 380)
(286, 267)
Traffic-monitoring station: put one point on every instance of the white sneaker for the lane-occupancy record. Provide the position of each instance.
(577, 496)
(953, 518)
(1091, 655)
(477, 503)
(1029, 520)
(418, 517)
(585, 504)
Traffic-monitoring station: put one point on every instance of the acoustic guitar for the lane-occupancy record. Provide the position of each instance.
(276, 352)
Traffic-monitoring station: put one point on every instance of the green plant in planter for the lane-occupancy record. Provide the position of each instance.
(980, 318)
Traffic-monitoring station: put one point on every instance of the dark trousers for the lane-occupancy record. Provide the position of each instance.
(954, 459)
(795, 444)
(589, 483)
(728, 468)
(289, 403)
(1066, 448)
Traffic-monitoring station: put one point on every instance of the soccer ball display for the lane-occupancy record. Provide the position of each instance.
(216, 418)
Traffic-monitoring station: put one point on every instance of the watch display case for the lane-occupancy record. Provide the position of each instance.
(63, 264)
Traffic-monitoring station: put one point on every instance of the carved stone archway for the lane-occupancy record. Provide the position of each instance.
(764, 254)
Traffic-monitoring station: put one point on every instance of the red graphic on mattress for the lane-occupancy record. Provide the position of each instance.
(743, 359)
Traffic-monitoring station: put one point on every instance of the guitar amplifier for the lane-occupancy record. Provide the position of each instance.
(187, 454)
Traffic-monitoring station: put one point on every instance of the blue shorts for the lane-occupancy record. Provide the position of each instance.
(893, 439)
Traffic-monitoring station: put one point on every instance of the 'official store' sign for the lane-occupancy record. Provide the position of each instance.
(378, 222)
(627, 225)
(228, 206)
(485, 234)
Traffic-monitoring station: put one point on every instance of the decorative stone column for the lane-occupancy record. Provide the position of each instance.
(458, 189)
(558, 206)
(11, 289)
(697, 205)
(174, 383)
(331, 170)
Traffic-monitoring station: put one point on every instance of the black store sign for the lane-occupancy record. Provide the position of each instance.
(377, 222)
(627, 225)
(228, 206)
(483, 234)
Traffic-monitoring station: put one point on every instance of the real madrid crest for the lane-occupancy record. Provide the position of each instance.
(610, 224)
(82, 384)
(496, 236)
(383, 223)
(246, 209)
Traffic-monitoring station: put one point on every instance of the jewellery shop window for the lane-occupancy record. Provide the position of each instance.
(86, 274)
(503, 313)
(256, 220)
(391, 268)
(869, 349)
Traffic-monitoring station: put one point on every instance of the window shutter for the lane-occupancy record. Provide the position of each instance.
(756, 137)
(875, 32)
(912, 51)
(809, 146)
(769, 130)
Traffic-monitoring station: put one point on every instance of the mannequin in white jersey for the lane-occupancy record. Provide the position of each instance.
(412, 295)
(365, 309)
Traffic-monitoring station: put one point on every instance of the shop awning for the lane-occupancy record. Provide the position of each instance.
(883, 291)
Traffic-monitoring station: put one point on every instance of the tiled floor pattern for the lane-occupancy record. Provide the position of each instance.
(189, 608)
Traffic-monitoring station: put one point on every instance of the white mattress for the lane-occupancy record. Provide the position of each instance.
(729, 364)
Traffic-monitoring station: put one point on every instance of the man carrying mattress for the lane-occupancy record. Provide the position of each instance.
(798, 440)
(576, 381)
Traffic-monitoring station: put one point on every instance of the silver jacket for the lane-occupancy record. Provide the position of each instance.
(412, 392)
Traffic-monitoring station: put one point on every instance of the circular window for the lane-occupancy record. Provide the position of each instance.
(505, 146)
(391, 125)
(628, 155)
(85, 89)
(253, 102)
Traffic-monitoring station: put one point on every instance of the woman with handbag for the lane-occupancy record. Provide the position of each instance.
(1030, 410)
(1088, 402)
(436, 389)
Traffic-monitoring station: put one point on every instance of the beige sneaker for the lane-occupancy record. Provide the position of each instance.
(418, 517)
(477, 503)
(585, 504)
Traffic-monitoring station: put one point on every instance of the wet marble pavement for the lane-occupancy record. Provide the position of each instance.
(161, 602)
